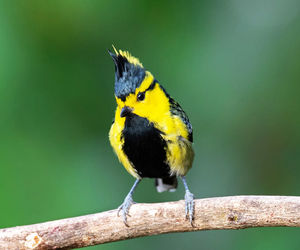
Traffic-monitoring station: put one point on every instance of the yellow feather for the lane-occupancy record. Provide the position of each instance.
(115, 50)
(117, 143)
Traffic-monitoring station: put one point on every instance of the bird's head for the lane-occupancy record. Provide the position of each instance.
(136, 90)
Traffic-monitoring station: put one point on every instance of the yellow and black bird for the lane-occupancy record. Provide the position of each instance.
(151, 134)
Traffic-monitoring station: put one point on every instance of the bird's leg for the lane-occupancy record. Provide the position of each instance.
(189, 201)
(128, 201)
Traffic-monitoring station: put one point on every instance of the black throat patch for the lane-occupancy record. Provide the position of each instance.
(145, 147)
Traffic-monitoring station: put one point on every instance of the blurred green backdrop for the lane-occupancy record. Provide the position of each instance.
(233, 65)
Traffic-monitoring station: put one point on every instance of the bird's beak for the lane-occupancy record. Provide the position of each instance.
(126, 111)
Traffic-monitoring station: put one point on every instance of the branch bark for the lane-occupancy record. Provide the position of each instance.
(233, 212)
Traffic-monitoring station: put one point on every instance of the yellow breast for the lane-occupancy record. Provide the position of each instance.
(117, 142)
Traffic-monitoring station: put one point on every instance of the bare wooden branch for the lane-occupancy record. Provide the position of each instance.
(149, 219)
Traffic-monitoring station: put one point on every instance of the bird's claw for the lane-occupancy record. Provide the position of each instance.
(124, 208)
(189, 206)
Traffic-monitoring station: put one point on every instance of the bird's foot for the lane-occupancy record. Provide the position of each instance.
(124, 208)
(189, 206)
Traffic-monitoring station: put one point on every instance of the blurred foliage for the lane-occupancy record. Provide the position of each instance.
(233, 65)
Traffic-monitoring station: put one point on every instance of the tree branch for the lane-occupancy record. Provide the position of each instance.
(233, 212)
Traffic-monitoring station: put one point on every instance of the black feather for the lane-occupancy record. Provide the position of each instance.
(145, 147)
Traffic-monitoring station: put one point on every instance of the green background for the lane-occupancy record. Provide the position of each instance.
(232, 65)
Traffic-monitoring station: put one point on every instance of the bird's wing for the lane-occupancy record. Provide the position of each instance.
(176, 109)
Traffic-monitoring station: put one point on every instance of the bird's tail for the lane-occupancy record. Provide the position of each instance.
(166, 184)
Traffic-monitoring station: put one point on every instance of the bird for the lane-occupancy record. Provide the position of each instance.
(151, 134)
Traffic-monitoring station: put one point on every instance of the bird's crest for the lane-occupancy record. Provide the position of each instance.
(129, 72)
(128, 56)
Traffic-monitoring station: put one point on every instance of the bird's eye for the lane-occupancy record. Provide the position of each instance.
(141, 96)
